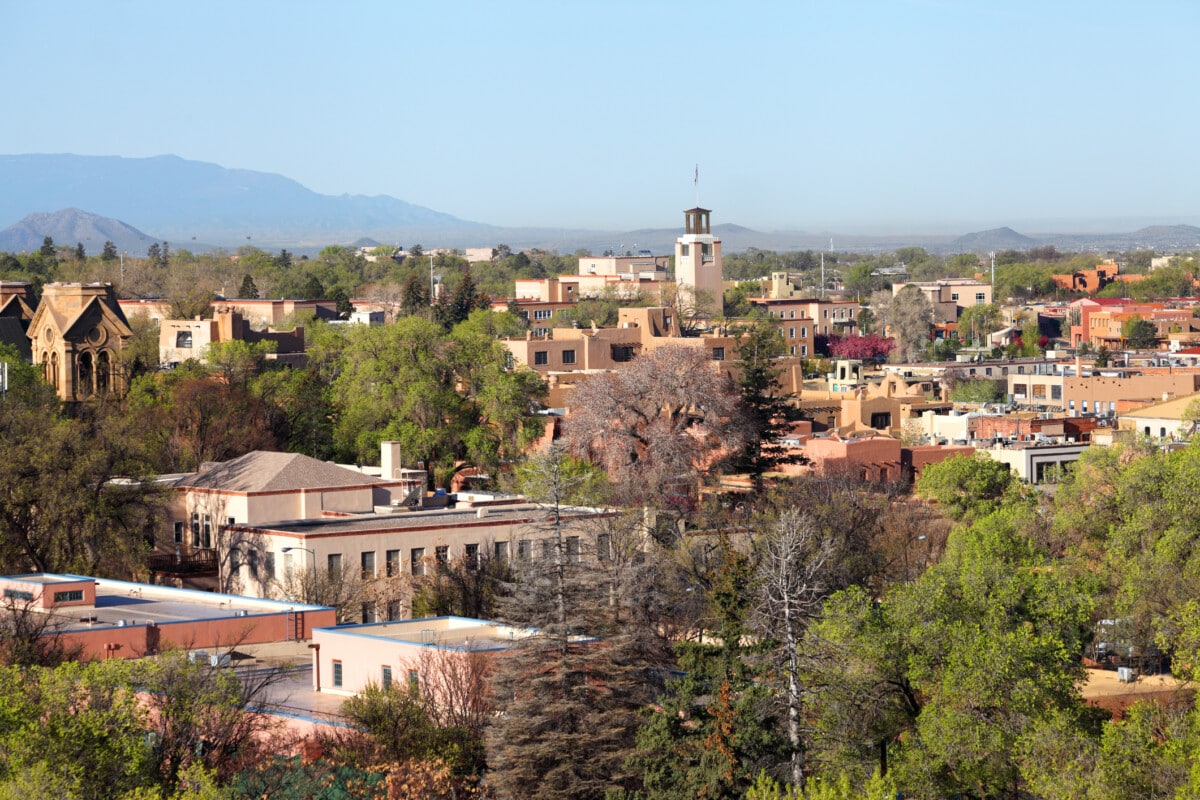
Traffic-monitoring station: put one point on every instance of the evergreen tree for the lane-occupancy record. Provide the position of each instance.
(414, 295)
(248, 290)
(570, 703)
(154, 253)
(80, 254)
(713, 732)
(109, 253)
(767, 413)
(47, 249)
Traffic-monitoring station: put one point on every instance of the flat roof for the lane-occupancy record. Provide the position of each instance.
(446, 633)
(144, 603)
(415, 520)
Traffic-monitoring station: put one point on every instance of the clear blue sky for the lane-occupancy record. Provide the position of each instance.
(846, 114)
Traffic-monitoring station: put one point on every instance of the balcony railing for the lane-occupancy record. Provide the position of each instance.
(194, 562)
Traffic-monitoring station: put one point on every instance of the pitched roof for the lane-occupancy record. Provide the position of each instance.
(264, 471)
(1166, 409)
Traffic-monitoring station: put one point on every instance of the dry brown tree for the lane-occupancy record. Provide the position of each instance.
(654, 424)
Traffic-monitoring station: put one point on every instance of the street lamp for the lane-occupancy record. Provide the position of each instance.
(920, 538)
(312, 564)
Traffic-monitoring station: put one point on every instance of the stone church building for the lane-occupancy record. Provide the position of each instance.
(77, 334)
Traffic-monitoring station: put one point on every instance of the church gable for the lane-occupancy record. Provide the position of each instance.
(77, 334)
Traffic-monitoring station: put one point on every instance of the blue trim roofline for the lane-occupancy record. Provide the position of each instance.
(198, 594)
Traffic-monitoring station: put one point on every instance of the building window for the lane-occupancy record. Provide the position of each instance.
(792, 315)
(540, 358)
(392, 558)
(235, 562)
(543, 313)
(27, 597)
(622, 353)
(1085, 406)
(804, 350)
(68, 597)
(183, 340)
(791, 333)
(252, 563)
(604, 547)
(471, 556)
(547, 549)
(980, 298)
(288, 563)
(718, 354)
(568, 357)
(954, 296)
(573, 549)
(337, 673)
(881, 420)
(825, 313)
(1056, 393)
(195, 530)
(414, 680)
(500, 550)
(523, 549)
(367, 561)
(368, 613)
(334, 565)
(804, 332)
(179, 532)
(230, 522)
(684, 250)
(417, 560)
(393, 610)
(385, 678)
(441, 554)
(269, 567)
(793, 349)
(206, 537)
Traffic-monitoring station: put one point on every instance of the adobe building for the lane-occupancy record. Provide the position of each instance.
(77, 335)
(950, 296)
(183, 339)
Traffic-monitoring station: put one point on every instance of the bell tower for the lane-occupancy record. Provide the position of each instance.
(698, 259)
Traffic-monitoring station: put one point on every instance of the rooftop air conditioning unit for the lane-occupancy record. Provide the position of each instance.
(121, 623)
(222, 660)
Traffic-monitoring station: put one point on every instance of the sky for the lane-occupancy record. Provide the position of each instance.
(863, 115)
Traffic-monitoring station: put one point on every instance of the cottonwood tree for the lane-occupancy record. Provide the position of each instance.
(657, 422)
(908, 318)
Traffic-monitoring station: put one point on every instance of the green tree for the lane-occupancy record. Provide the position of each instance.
(950, 673)
(569, 704)
(767, 411)
(248, 289)
(80, 253)
(109, 253)
(1102, 357)
(48, 250)
(978, 391)
(713, 731)
(967, 487)
(979, 321)
(1139, 334)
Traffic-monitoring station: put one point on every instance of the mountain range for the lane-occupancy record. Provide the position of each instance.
(197, 205)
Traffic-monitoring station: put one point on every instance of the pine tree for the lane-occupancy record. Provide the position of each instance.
(713, 732)
(47, 249)
(248, 289)
(109, 253)
(80, 254)
(767, 412)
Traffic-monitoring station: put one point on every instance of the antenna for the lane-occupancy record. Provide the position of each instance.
(822, 275)
(831, 244)
(696, 184)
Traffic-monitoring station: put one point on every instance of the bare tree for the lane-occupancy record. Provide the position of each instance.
(908, 317)
(29, 637)
(793, 581)
(656, 423)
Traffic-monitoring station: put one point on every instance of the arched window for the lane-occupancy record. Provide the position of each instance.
(85, 386)
(103, 371)
(54, 370)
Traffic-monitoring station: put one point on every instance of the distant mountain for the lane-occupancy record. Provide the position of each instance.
(991, 240)
(70, 227)
(186, 200)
